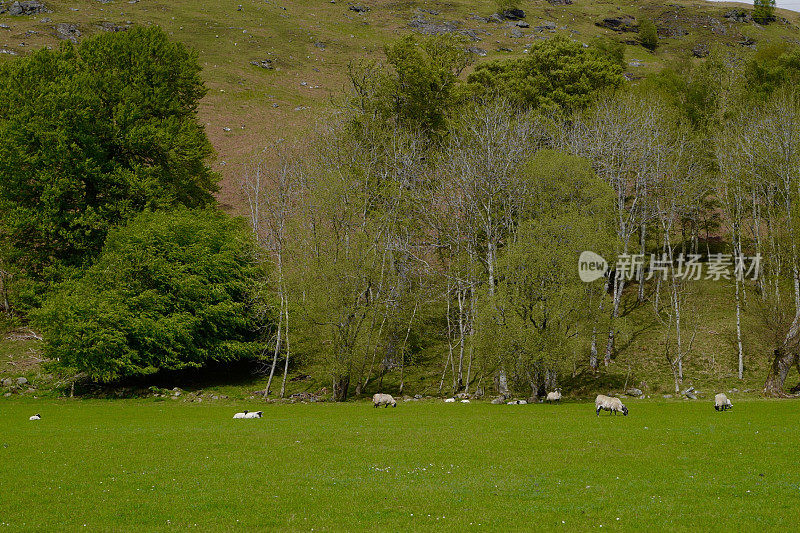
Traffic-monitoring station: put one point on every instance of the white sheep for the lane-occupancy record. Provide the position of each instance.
(464, 401)
(609, 403)
(722, 403)
(248, 414)
(517, 402)
(554, 396)
(449, 400)
(37, 416)
(383, 399)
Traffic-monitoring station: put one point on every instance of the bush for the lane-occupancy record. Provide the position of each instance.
(648, 34)
(558, 74)
(169, 291)
(763, 11)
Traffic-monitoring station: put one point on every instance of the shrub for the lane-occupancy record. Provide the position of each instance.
(169, 291)
(648, 34)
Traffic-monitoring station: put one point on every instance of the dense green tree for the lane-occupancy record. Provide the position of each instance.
(418, 87)
(648, 34)
(91, 134)
(558, 74)
(768, 69)
(170, 290)
(763, 11)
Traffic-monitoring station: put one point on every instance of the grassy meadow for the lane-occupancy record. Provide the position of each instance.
(159, 466)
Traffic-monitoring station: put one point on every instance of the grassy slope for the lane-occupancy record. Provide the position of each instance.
(422, 466)
(241, 97)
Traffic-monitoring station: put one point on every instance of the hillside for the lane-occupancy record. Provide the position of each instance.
(272, 68)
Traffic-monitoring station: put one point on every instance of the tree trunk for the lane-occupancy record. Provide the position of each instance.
(340, 386)
(286, 340)
(277, 350)
(783, 359)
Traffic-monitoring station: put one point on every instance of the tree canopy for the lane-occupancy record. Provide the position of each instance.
(91, 134)
(557, 74)
(170, 290)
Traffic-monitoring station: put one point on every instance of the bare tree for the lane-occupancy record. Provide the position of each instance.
(270, 192)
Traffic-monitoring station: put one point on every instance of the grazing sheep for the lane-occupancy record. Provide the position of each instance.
(449, 400)
(722, 403)
(608, 403)
(554, 396)
(383, 399)
(241, 415)
(257, 414)
(37, 416)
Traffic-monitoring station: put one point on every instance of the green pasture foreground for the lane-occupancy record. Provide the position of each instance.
(132, 465)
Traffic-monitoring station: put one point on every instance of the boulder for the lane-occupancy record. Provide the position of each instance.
(522, 24)
(499, 400)
(738, 15)
(358, 8)
(28, 7)
(22, 381)
(263, 63)
(700, 50)
(477, 51)
(513, 14)
(7, 382)
(67, 31)
(634, 392)
(620, 24)
(560, 2)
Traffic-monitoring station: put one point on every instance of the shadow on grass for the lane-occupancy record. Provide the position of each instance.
(241, 374)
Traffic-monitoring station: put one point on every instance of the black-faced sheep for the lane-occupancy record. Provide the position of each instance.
(554, 396)
(722, 403)
(383, 399)
(37, 416)
(608, 403)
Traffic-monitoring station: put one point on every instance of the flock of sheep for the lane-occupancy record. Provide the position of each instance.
(601, 403)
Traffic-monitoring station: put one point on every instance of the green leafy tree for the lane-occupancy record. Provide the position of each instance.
(558, 74)
(648, 34)
(92, 134)
(763, 11)
(170, 290)
(418, 88)
(768, 69)
(542, 309)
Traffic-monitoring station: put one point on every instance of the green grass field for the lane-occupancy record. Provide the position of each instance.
(157, 466)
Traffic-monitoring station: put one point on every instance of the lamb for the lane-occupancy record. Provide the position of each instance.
(449, 400)
(517, 402)
(383, 399)
(257, 414)
(722, 403)
(464, 401)
(609, 403)
(554, 396)
(37, 416)
(241, 415)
